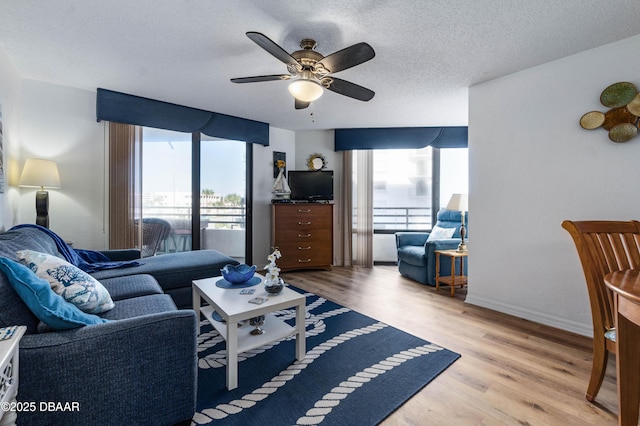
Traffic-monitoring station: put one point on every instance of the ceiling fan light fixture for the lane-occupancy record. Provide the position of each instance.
(305, 90)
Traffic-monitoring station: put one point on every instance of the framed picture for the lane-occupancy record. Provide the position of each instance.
(279, 156)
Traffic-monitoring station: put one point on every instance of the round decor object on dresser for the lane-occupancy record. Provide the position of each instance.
(618, 94)
(592, 120)
(623, 132)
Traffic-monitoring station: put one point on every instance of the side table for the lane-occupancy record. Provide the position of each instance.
(453, 280)
(9, 376)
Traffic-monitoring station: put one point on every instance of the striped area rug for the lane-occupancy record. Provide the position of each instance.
(357, 371)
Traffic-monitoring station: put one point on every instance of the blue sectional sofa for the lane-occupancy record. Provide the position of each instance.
(416, 253)
(138, 368)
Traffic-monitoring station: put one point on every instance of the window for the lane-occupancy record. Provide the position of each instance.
(407, 194)
(454, 173)
(402, 189)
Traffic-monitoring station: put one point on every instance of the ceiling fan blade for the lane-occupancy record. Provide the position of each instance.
(301, 104)
(270, 46)
(351, 90)
(259, 78)
(348, 57)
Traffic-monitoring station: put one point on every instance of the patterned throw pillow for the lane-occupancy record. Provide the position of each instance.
(73, 284)
(439, 233)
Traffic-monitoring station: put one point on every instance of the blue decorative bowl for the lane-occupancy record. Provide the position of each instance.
(238, 274)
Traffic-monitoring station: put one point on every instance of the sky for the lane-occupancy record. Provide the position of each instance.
(167, 164)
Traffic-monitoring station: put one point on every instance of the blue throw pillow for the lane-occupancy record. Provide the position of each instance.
(37, 294)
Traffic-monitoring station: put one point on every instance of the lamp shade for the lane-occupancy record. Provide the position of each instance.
(40, 174)
(459, 202)
(305, 90)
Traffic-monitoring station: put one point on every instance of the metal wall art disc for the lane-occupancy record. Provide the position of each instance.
(592, 120)
(618, 94)
(623, 132)
(616, 116)
(634, 106)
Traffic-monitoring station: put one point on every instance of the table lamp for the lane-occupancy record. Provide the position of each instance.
(40, 174)
(460, 202)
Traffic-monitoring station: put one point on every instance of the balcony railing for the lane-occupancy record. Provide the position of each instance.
(401, 218)
(384, 218)
(215, 217)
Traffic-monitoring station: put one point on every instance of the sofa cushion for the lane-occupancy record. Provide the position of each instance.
(175, 270)
(140, 306)
(14, 240)
(413, 255)
(73, 284)
(37, 294)
(13, 310)
(439, 233)
(131, 286)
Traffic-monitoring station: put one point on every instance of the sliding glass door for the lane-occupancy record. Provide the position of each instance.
(166, 186)
(196, 182)
(223, 196)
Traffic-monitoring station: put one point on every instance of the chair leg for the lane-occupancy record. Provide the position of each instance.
(598, 369)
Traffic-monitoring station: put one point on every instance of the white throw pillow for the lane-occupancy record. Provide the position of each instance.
(439, 233)
(73, 284)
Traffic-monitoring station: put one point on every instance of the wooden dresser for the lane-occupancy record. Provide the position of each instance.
(304, 234)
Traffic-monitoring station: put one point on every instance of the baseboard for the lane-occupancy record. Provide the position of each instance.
(530, 315)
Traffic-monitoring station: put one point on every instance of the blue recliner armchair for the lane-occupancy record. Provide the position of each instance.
(416, 253)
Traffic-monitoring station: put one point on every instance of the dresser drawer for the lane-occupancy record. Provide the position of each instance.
(303, 235)
(296, 256)
(303, 216)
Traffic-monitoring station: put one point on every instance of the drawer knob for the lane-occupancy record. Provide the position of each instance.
(304, 236)
(304, 261)
(304, 223)
(304, 211)
(304, 248)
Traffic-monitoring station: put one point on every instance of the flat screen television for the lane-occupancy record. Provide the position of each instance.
(307, 185)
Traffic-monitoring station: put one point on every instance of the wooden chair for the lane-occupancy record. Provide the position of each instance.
(603, 247)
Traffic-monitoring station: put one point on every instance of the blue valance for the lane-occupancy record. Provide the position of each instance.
(401, 137)
(129, 109)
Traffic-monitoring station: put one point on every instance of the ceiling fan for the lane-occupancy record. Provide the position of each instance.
(310, 72)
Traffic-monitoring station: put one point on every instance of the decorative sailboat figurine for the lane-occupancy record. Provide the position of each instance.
(281, 190)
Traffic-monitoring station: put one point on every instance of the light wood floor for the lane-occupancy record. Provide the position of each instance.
(512, 371)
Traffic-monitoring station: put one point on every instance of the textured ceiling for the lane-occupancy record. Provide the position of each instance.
(428, 53)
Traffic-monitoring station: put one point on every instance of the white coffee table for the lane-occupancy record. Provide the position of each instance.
(234, 307)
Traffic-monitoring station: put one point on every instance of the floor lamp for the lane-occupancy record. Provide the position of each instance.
(40, 174)
(460, 202)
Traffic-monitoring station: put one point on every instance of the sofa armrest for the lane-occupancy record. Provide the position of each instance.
(411, 238)
(122, 254)
(141, 370)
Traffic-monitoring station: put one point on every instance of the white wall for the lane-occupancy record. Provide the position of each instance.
(10, 83)
(59, 123)
(532, 166)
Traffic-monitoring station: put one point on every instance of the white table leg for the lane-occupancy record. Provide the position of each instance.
(195, 300)
(300, 331)
(232, 355)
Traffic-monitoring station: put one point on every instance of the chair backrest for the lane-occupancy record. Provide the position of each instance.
(452, 219)
(604, 247)
(154, 231)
